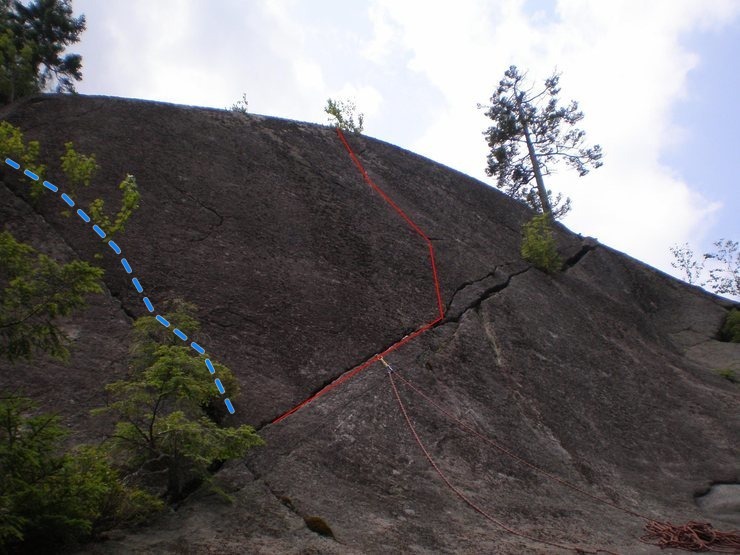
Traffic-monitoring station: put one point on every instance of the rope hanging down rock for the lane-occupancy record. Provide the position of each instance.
(692, 536)
(463, 497)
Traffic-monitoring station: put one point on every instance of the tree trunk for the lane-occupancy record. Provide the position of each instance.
(177, 477)
(541, 191)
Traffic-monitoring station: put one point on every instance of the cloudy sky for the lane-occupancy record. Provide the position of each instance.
(654, 79)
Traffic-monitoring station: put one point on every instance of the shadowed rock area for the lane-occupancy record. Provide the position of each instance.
(604, 375)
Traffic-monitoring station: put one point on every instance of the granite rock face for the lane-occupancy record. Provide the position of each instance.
(604, 375)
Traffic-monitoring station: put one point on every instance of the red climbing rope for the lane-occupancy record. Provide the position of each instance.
(692, 536)
(437, 289)
(513, 455)
(468, 501)
(356, 370)
(409, 221)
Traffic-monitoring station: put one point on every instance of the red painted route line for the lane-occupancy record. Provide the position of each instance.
(350, 374)
(356, 370)
(403, 214)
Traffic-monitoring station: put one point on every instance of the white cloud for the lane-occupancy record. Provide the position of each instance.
(379, 47)
(308, 73)
(367, 98)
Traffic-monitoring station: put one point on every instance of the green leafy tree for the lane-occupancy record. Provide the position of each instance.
(129, 203)
(169, 433)
(718, 270)
(241, 106)
(36, 291)
(342, 115)
(79, 169)
(13, 146)
(538, 245)
(35, 36)
(49, 498)
(17, 76)
(534, 120)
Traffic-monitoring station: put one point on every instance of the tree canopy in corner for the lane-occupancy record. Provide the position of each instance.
(33, 39)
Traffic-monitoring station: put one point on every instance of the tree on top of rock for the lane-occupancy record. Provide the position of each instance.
(533, 120)
(33, 38)
(342, 115)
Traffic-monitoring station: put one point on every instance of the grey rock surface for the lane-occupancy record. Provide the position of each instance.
(604, 375)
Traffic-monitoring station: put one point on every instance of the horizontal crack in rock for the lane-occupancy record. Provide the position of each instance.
(484, 295)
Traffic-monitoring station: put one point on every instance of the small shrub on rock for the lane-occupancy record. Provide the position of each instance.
(730, 331)
(729, 374)
(538, 245)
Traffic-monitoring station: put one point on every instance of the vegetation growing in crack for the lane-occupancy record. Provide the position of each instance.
(50, 498)
(729, 374)
(79, 169)
(36, 292)
(538, 245)
(170, 429)
(730, 331)
(342, 115)
(241, 106)
(168, 439)
(13, 146)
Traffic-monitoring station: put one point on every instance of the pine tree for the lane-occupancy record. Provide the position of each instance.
(169, 432)
(534, 120)
(35, 291)
(33, 38)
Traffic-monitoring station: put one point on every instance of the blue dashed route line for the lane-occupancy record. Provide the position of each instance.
(127, 267)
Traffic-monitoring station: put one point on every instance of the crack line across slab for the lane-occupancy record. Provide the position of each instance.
(127, 267)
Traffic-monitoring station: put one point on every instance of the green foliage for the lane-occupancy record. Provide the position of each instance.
(169, 434)
(34, 37)
(719, 270)
(538, 245)
(130, 197)
(79, 168)
(535, 119)
(730, 331)
(342, 115)
(318, 525)
(36, 290)
(724, 270)
(48, 499)
(684, 260)
(12, 146)
(241, 106)
(729, 374)
(17, 74)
